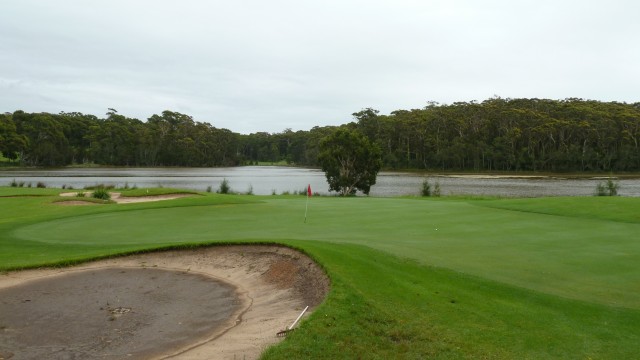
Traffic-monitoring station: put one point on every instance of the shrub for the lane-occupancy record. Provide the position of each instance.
(428, 191)
(102, 194)
(100, 186)
(14, 183)
(225, 188)
(81, 194)
(426, 188)
(613, 187)
(41, 185)
(608, 188)
(436, 189)
(209, 188)
(273, 192)
(250, 190)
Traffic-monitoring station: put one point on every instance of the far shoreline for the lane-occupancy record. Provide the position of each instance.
(515, 174)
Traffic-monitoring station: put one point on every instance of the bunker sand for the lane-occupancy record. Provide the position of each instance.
(118, 198)
(270, 286)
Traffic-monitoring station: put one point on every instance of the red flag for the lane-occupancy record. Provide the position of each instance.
(309, 190)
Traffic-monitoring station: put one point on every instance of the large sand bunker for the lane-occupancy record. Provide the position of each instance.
(264, 288)
(118, 198)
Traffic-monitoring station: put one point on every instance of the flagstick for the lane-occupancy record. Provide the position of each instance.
(306, 207)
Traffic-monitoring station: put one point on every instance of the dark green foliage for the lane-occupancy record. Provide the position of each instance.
(494, 135)
(12, 143)
(170, 139)
(41, 185)
(101, 193)
(350, 162)
(426, 188)
(436, 189)
(608, 188)
(100, 186)
(14, 183)
(225, 188)
(510, 134)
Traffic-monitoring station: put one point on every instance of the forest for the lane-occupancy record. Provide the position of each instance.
(498, 134)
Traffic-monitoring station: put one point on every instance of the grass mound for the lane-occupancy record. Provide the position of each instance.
(155, 192)
(76, 199)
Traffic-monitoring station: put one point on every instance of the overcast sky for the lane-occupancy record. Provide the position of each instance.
(256, 65)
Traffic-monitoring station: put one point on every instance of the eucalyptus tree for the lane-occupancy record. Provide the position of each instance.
(11, 143)
(350, 162)
(46, 144)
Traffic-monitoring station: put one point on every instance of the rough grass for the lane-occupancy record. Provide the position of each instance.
(6, 191)
(153, 192)
(411, 278)
(608, 208)
(384, 307)
(87, 199)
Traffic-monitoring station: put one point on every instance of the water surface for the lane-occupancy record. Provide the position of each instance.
(266, 180)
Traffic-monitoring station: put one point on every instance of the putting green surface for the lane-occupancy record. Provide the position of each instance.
(513, 278)
(582, 258)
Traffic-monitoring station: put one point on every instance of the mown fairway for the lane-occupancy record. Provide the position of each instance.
(412, 278)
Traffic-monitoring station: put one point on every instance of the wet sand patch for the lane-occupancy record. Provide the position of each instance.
(272, 285)
(112, 313)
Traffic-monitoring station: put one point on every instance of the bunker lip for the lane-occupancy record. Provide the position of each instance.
(118, 198)
(272, 284)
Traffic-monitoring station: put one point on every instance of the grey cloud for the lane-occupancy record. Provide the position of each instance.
(266, 66)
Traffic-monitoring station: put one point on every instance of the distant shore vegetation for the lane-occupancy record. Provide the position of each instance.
(498, 134)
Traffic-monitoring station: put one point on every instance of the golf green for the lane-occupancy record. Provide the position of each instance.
(411, 277)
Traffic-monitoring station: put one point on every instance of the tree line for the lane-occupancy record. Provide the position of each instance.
(493, 135)
(169, 139)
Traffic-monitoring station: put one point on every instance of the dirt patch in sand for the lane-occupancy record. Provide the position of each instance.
(118, 198)
(270, 285)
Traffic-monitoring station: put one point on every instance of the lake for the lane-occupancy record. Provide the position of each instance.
(265, 180)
